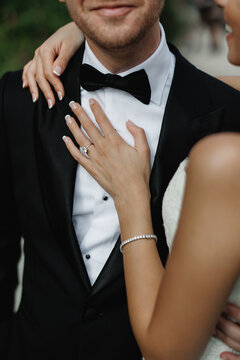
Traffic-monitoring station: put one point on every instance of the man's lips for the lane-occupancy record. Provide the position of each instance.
(114, 11)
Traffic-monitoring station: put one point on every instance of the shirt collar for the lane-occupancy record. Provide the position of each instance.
(157, 67)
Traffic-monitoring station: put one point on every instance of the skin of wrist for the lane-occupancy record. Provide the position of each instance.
(134, 216)
(133, 201)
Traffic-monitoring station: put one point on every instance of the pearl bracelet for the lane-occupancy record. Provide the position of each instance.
(139, 237)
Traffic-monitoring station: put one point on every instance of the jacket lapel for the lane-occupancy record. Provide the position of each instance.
(186, 120)
(57, 169)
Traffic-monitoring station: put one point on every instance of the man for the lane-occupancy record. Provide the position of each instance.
(74, 302)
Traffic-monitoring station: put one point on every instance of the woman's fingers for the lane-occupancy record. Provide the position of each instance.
(47, 57)
(228, 332)
(107, 129)
(79, 136)
(62, 59)
(45, 86)
(82, 141)
(24, 77)
(31, 81)
(49, 62)
(228, 328)
(233, 311)
(86, 123)
(229, 356)
(102, 120)
(76, 154)
(140, 138)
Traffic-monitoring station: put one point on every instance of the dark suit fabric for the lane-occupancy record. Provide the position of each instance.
(61, 316)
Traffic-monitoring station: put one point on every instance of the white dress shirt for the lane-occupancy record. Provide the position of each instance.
(94, 215)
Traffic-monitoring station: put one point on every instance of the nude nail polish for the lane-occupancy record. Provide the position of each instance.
(34, 98)
(57, 70)
(65, 139)
(59, 94)
(68, 119)
(50, 104)
(131, 123)
(72, 105)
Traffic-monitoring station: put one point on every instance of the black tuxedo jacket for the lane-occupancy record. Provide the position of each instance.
(61, 316)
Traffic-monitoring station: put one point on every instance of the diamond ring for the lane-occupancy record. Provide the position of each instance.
(84, 149)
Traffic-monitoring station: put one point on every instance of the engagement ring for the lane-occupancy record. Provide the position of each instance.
(84, 149)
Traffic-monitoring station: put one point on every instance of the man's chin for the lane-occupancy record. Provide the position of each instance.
(115, 40)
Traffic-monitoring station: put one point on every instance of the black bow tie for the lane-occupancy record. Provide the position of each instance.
(136, 84)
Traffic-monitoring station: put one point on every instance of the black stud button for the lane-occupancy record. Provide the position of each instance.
(88, 256)
(105, 198)
(91, 314)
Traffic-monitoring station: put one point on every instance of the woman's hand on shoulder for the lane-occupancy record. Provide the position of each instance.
(49, 62)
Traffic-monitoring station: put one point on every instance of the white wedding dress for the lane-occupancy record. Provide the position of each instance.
(172, 201)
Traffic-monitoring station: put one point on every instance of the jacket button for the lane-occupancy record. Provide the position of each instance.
(91, 314)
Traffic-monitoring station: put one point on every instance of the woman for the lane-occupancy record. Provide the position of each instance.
(204, 264)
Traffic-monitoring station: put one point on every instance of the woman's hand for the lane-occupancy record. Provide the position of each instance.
(122, 170)
(229, 331)
(49, 62)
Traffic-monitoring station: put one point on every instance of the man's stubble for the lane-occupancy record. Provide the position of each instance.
(115, 36)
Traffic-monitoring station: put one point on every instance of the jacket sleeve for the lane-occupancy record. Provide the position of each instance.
(10, 234)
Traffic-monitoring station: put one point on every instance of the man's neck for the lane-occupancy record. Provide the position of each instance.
(121, 60)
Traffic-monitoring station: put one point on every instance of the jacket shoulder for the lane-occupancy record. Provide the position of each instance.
(12, 95)
(201, 87)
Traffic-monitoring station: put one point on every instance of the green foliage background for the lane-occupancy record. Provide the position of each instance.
(25, 24)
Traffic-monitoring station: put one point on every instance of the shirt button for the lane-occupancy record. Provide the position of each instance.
(105, 198)
(88, 256)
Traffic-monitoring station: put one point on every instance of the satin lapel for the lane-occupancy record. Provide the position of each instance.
(111, 270)
(57, 169)
(186, 120)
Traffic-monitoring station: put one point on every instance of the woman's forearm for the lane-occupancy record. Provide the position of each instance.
(173, 312)
(142, 265)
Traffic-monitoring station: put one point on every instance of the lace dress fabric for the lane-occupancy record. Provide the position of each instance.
(172, 202)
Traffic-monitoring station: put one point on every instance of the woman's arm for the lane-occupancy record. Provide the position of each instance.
(233, 81)
(200, 272)
(173, 314)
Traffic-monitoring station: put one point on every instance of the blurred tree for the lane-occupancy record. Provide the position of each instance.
(24, 25)
(173, 19)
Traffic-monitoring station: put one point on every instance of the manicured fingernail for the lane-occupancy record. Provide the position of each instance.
(57, 70)
(50, 104)
(65, 139)
(68, 119)
(24, 84)
(131, 123)
(59, 94)
(91, 101)
(34, 98)
(72, 105)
